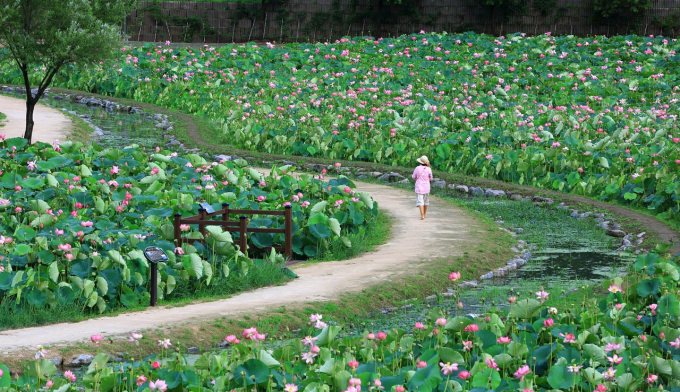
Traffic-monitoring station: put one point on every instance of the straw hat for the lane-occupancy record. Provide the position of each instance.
(423, 160)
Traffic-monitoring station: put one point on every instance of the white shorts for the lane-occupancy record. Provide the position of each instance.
(422, 199)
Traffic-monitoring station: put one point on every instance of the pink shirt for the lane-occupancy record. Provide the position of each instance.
(423, 176)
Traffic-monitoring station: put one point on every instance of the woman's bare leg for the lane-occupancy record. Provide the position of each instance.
(422, 212)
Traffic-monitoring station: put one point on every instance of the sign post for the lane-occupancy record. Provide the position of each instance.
(154, 255)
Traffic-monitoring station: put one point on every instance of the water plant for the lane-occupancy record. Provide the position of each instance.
(76, 219)
(626, 338)
(594, 116)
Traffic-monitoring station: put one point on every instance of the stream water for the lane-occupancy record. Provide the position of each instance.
(111, 128)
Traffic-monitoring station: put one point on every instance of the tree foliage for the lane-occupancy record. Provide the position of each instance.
(609, 9)
(45, 35)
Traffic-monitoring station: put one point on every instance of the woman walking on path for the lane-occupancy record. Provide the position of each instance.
(423, 175)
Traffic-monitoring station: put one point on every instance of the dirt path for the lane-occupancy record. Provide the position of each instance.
(445, 232)
(50, 124)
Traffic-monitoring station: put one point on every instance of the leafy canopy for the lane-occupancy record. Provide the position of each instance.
(45, 35)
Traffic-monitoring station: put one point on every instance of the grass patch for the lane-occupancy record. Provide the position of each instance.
(3, 117)
(80, 130)
(376, 235)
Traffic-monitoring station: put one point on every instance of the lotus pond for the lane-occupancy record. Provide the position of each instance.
(624, 338)
(594, 116)
(76, 219)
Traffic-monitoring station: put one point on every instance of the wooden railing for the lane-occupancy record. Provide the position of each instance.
(240, 226)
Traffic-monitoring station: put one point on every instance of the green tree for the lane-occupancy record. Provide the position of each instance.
(45, 35)
(615, 9)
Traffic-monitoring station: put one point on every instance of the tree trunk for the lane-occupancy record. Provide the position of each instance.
(28, 133)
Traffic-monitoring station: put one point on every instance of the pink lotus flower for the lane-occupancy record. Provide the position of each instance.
(290, 388)
(652, 378)
(232, 339)
(521, 372)
(96, 339)
(419, 326)
(615, 289)
(675, 344)
(67, 375)
(353, 364)
(467, 345)
(140, 381)
(574, 368)
(568, 338)
(134, 337)
(601, 388)
(41, 352)
(421, 364)
(49, 384)
(114, 170)
(454, 276)
(249, 333)
(471, 328)
(512, 299)
(542, 295)
(448, 368)
(164, 343)
(370, 336)
(158, 385)
(440, 322)
(399, 388)
(308, 357)
(491, 363)
(156, 365)
(548, 323)
(615, 359)
(86, 224)
(464, 375)
(64, 247)
(504, 340)
(382, 336)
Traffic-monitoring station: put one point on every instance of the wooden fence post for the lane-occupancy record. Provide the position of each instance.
(225, 214)
(178, 231)
(288, 235)
(201, 215)
(243, 234)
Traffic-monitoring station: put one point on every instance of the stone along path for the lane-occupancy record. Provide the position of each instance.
(446, 232)
(50, 124)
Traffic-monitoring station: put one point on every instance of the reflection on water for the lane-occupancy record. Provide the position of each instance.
(562, 265)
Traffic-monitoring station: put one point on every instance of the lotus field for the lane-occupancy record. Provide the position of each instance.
(75, 220)
(592, 116)
(626, 340)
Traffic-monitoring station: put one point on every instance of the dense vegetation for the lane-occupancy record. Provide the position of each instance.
(75, 220)
(625, 340)
(592, 116)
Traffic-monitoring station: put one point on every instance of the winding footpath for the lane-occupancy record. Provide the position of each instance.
(49, 124)
(446, 232)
